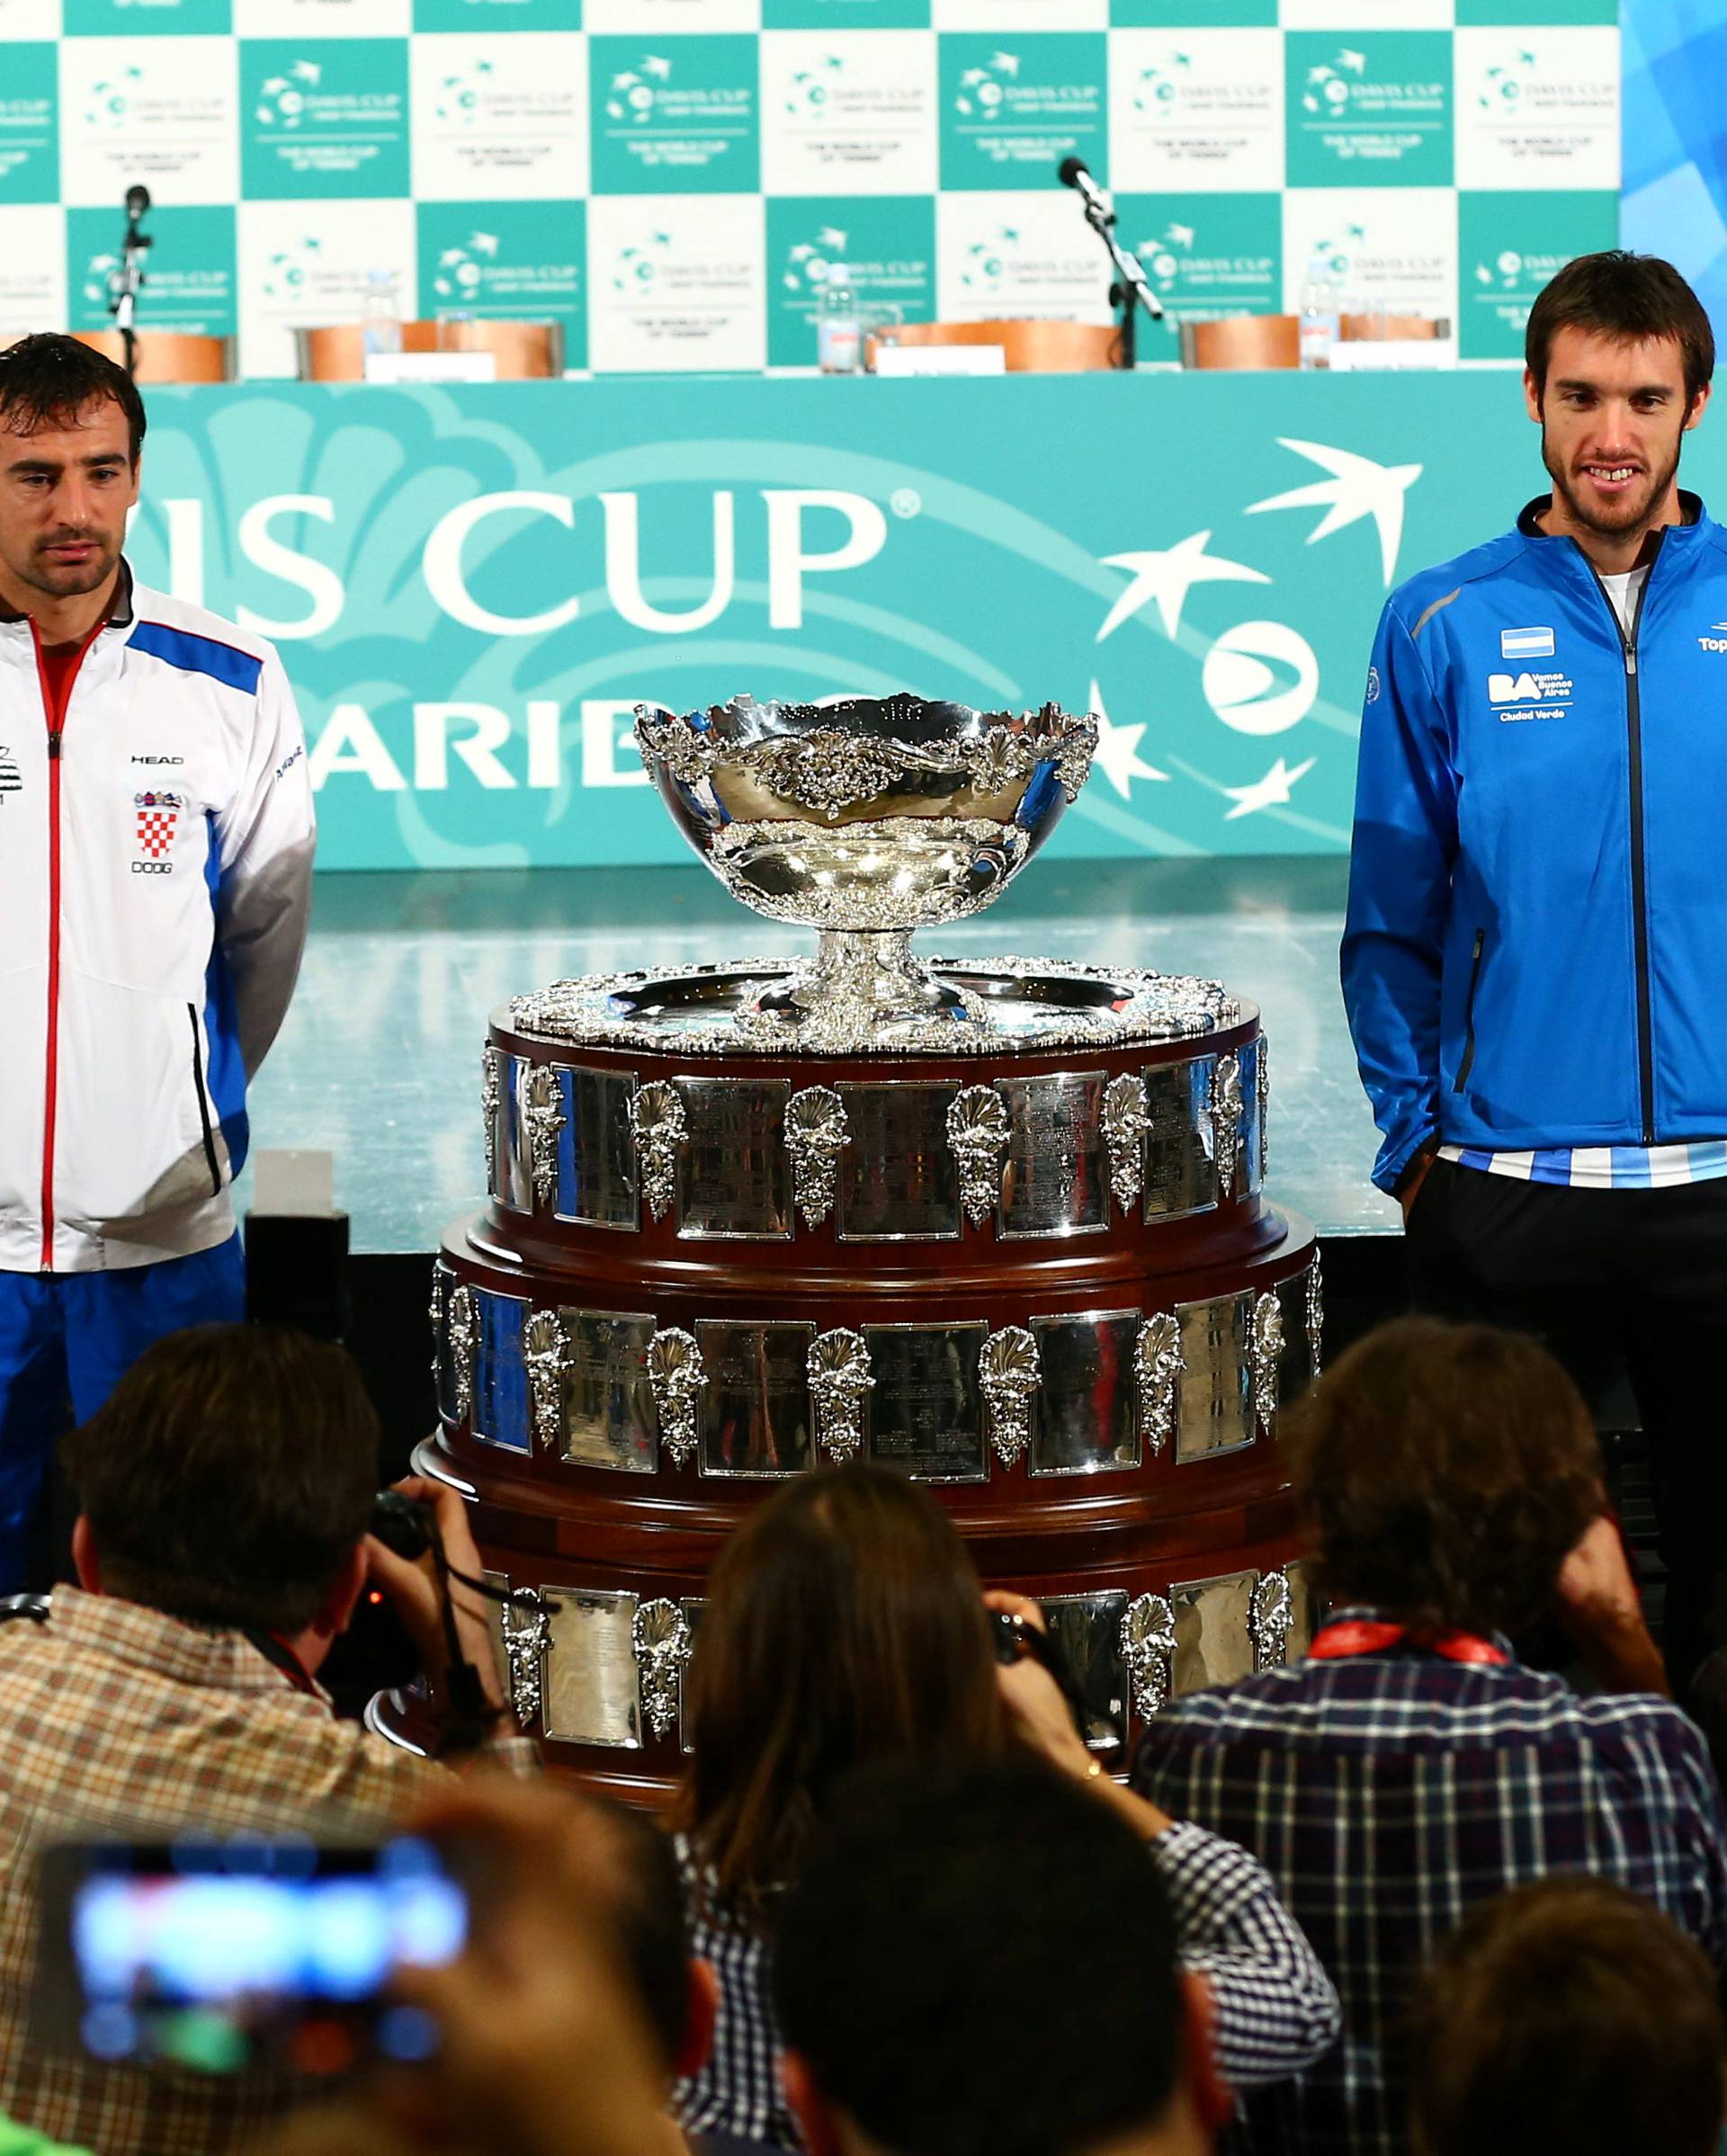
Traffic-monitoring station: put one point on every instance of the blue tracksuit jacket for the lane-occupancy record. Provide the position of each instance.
(1535, 950)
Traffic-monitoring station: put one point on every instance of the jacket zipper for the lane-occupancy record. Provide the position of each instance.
(203, 1104)
(1639, 892)
(55, 719)
(1468, 1063)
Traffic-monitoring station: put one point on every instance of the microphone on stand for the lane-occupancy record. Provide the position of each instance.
(1129, 292)
(1073, 173)
(128, 281)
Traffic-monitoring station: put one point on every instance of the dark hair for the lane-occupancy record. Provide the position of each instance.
(229, 1475)
(1631, 298)
(1444, 1471)
(980, 1961)
(50, 379)
(844, 1622)
(1568, 2019)
(653, 1934)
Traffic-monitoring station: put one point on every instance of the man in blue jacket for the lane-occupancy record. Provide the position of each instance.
(1535, 961)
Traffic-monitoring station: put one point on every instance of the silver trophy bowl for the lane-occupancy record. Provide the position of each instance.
(865, 819)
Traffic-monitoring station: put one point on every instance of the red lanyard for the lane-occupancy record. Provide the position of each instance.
(1369, 1635)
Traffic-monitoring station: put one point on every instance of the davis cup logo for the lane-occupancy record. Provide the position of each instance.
(157, 813)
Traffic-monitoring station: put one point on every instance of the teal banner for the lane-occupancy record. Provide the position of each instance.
(471, 588)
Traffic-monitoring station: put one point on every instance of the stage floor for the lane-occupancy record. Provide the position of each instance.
(378, 1063)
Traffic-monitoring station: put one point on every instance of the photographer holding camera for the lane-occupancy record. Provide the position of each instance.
(222, 1545)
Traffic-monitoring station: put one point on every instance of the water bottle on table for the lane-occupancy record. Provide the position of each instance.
(839, 324)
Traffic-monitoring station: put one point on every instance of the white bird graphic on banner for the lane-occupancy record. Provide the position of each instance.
(1357, 488)
(1117, 752)
(1268, 791)
(1167, 576)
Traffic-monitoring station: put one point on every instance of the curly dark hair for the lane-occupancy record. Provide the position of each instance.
(1632, 298)
(48, 378)
(1444, 1472)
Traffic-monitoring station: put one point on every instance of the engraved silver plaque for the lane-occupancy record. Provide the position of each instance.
(692, 1606)
(1266, 1354)
(596, 1161)
(925, 1410)
(1216, 1411)
(1229, 1109)
(1294, 1363)
(511, 1179)
(609, 1417)
(1148, 1639)
(1126, 1121)
(1084, 1418)
(1086, 1632)
(545, 1355)
(494, 1626)
(1269, 1617)
(1213, 1639)
(1303, 1608)
(656, 1131)
(461, 1336)
(1056, 1179)
(1007, 1376)
(590, 1690)
(734, 1179)
(1157, 1373)
(660, 1637)
(899, 1180)
(675, 1377)
(815, 1137)
(491, 1101)
(500, 1416)
(1180, 1177)
(526, 1623)
(839, 1384)
(756, 1418)
(977, 1131)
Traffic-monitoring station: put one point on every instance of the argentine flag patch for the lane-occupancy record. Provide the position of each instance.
(1525, 643)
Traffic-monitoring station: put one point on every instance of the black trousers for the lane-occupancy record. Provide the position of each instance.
(1611, 1280)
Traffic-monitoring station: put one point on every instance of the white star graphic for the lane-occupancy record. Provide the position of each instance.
(1167, 576)
(1268, 791)
(1357, 488)
(1117, 754)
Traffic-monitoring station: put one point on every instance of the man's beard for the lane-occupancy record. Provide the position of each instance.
(1615, 522)
(71, 580)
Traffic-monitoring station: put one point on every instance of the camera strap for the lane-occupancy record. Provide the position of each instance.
(274, 1648)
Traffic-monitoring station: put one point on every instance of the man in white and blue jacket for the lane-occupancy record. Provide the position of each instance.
(156, 851)
(1535, 961)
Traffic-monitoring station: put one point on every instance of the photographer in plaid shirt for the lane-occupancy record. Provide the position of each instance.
(1411, 1768)
(221, 1547)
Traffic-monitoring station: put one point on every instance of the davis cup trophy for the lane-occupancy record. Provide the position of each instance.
(999, 1223)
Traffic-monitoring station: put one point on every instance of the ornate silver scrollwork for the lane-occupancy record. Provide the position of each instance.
(491, 1094)
(675, 1375)
(1262, 1090)
(1008, 1372)
(838, 1364)
(435, 1312)
(1157, 1365)
(1265, 1351)
(1270, 1616)
(1315, 1315)
(1149, 1649)
(546, 1357)
(543, 1117)
(1126, 1121)
(1226, 1106)
(527, 1637)
(659, 1632)
(816, 1135)
(461, 1330)
(977, 1131)
(657, 1125)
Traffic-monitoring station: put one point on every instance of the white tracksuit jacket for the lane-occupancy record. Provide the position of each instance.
(154, 881)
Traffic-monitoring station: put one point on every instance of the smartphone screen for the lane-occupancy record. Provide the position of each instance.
(222, 1954)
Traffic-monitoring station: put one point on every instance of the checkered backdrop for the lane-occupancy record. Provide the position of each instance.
(668, 177)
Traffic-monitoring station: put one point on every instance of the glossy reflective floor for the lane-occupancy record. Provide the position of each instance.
(379, 1063)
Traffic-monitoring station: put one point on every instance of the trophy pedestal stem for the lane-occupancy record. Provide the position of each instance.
(864, 979)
